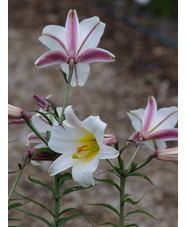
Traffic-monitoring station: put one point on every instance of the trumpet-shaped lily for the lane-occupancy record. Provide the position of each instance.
(75, 43)
(81, 146)
(154, 126)
(170, 154)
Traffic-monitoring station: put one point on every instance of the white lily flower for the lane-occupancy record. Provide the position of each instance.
(154, 126)
(81, 146)
(77, 43)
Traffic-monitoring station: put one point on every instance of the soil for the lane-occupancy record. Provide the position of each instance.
(143, 67)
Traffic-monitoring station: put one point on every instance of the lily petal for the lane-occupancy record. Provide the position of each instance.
(62, 163)
(107, 152)
(40, 123)
(80, 73)
(95, 126)
(136, 117)
(149, 114)
(91, 31)
(33, 138)
(51, 58)
(155, 144)
(65, 139)
(82, 174)
(72, 32)
(95, 55)
(167, 134)
(53, 37)
(166, 118)
(135, 136)
(72, 119)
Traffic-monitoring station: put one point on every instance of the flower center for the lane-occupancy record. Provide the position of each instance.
(87, 151)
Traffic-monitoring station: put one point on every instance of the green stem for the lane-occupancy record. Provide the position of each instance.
(57, 200)
(122, 191)
(145, 162)
(134, 155)
(29, 123)
(71, 67)
(16, 182)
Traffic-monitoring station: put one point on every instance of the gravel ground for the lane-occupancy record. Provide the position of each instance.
(143, 67)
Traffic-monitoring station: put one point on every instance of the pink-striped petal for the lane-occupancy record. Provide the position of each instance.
(168, 134)
(170, 154)
(166, 118)
(51, 58)
(53, 37)
(91, 30)
(149, 115)
(72, 33)
(135, 136)
(95, 55)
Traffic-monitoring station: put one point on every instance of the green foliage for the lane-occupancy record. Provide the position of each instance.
(140, 211)
(109, 182)
(39, 182)
(36, 216)
(107, 206)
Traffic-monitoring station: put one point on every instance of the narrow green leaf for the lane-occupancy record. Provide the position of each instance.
(39, 182)
(14, 205)
(64, 177)
(62, 221)
(73, 189)
(64, 75)
(30, 124)
(13, 226)
(109, 182)
(14, 219)
(140, 211)
(130, 225)
(36, 216)
(48, 134)
(45, 116)
(53, 108)
(115, 171)
(39, 204)
(10, 172)
(129, 200)
(80, 212)
(107, 206)
(138, 174)
(108, 223)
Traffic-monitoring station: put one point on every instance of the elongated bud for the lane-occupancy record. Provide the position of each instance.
(109, 139)
(170, 154)
(15, 115)
(14, 112)
(42, 102)
(40, 156)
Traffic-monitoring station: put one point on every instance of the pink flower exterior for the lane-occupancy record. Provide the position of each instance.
(170, 154)
(14, 112)
(15, 115)
(153, 126)
(75, 43)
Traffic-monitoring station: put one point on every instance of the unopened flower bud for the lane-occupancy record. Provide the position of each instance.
(109, 139)
(42, 102)
(170, 154)
(14, 112)
(40, 156)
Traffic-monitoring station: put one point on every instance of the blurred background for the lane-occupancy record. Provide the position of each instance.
(143, 37)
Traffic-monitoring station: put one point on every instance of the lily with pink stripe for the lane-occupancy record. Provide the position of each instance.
(76, 44)
(154, 126)
(170, 154)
